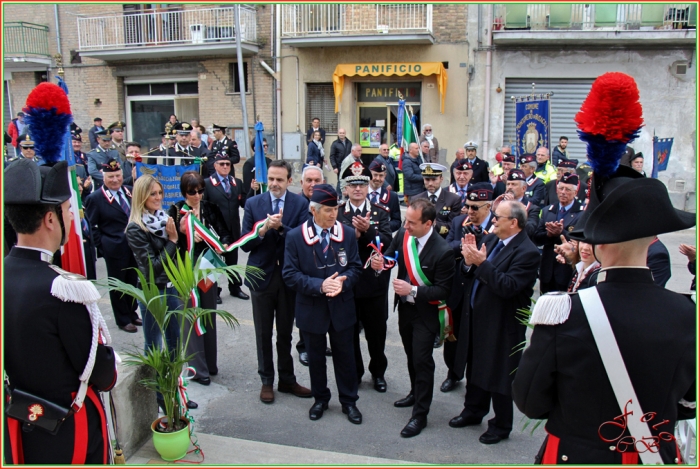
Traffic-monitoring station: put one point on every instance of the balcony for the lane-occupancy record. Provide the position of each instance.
(628, 24)
(166, 34)
(25, 47)
(319, 25)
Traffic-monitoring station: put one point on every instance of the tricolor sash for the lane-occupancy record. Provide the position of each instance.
(418, 278)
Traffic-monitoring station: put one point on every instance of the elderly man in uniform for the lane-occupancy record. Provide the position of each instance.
(557, 220)
(515, 190)
(370, 222)
(613, 367)
(479, 166)
(501, 271)
(52, 338)
(379, 192)
(224, 145)
(463, 173)
(98, 157)
(426, 267)
(108, 211)
(447, 204)
(536, 191)
(321, 263)
(225, 191)
(564, 166)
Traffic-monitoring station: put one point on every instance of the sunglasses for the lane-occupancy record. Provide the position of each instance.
(498, 217)
(223, 164)
(474, 207)
(196, 192)
(265, 145)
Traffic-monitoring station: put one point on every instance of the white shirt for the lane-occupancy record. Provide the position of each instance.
(421, 244)
(436, 194)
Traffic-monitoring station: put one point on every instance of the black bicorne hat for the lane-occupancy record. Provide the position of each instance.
(27, 183)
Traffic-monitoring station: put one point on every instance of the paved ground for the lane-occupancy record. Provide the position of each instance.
(231, 408)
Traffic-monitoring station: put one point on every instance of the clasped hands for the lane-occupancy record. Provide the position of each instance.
(554, 228)
(471, 254)
(361, 224)
(333, 285)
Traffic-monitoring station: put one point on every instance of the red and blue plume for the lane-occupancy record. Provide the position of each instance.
(609, 119)
(49, 116)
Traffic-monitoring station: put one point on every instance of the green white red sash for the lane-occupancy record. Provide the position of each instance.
(194, 225)
(418, 278)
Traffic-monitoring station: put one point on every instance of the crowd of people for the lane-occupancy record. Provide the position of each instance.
(467, 255)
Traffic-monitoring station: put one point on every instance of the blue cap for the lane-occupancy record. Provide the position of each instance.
(325, 194)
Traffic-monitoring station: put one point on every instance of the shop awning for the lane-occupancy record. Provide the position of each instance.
(390, 69)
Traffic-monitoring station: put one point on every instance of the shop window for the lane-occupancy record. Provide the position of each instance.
(320, 102)
(233, 77)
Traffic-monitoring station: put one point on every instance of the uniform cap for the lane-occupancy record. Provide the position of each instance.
(377, 166)
(356, 173)
(481, 191)
(471, 144)
(463, 165)
(111, 166)
(431, 170)
(516, 175)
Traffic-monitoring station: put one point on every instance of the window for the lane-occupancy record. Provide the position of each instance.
(163, 89)
(320, 102)
(233, 74)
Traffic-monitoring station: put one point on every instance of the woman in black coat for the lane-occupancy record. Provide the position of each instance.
(202, 346)
(315, 154)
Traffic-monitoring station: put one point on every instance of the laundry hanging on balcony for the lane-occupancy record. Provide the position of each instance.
(390, 69)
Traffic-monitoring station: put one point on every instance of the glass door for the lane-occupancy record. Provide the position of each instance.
(371, 129)
(146, 118)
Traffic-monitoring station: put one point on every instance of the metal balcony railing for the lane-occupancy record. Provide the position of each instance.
(304, 20)
(592, 16)
(25, 40)
(165, 27)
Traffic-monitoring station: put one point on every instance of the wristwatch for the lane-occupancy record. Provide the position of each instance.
(414, 291)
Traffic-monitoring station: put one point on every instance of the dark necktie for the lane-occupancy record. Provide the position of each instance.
(492, 255)
(373, 197)
(123, 204)
(462, 194)
(358, 213)
(276, 206)
(562, 212)
(324, 243)
(433, 198)
(227, 188)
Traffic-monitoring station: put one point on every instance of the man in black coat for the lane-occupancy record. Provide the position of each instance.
(479, 166)
(369, 221)
(340, 148)
(447, 204)
(316, 127)
(224, 145)
(515, 190)
(225, 191)
(501, 272)
(108, 211)
(557, 219)
(426, 267)
(536, 191)
(380, 194)
(51, 335)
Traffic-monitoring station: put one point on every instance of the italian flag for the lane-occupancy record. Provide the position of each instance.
(210, 260)
(408, 131)
(73, 255)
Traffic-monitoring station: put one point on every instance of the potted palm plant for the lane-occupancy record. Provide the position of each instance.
(171, 435)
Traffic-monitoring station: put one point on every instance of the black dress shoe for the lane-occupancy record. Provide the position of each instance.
(380, 384)
(413, 427)
(329, 352)
(203, 381)
(354, 414)
(489, 438)
(461, 421)
(448, 385)
(437, 343)
(218, 300)
(213, 373)
(304, 358)
(137, 322)
(240, 294)
(316, 410)
(407, 401)
(192, 405)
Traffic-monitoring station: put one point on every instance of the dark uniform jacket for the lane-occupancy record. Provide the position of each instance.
(186, 153)
(447, 206)
(536, 191)
(96, 158)
(45, 354)
(228, 147)
(108, 222)
(659, 261)
(227, 203)
(550, 268)
(562, 378)
(390, 199)
(481, 171)
(551, 192)
(533, 216)
(505, 285)
(369, 284)
(303, 255)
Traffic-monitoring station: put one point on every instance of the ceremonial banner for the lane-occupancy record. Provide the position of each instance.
(531, 124)
(169, 176)
(662, 153)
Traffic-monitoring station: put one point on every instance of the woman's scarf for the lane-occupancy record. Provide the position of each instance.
(320, 148)
(155, 222)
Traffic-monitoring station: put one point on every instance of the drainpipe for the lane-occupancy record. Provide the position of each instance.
(487, 84)
(278, 82)
(58, 30)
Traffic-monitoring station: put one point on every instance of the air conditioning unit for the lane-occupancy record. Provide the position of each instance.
(197, 31)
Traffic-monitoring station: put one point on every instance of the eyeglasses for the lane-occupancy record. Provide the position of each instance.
(265, 146)
(196, 192)
(428, 130)
(223, 164)
(383, 149)
(474, 207)
(498, 217)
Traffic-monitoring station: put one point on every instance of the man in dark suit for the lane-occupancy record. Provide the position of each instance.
(479, 166)
(340, 148)
(271, 299)
(108, 211)
(426, 267)
(51, 336)
(316, 127)
(98, 157)
(501, 272)
(225, 191)
(224, 145)
(378, 193)
(92, 133)
(447, 204)
(322, 265)
(462, 173)
(536, 191)
(369, 222)
(515, 190)
(565, 166)
(557, 219)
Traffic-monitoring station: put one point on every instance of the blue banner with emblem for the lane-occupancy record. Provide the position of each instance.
(531, 124)
(169, 176)
(662, 153)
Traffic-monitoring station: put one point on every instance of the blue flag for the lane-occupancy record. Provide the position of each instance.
(531, 125)
(260, 163)
(662, 153)
(169, 176)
